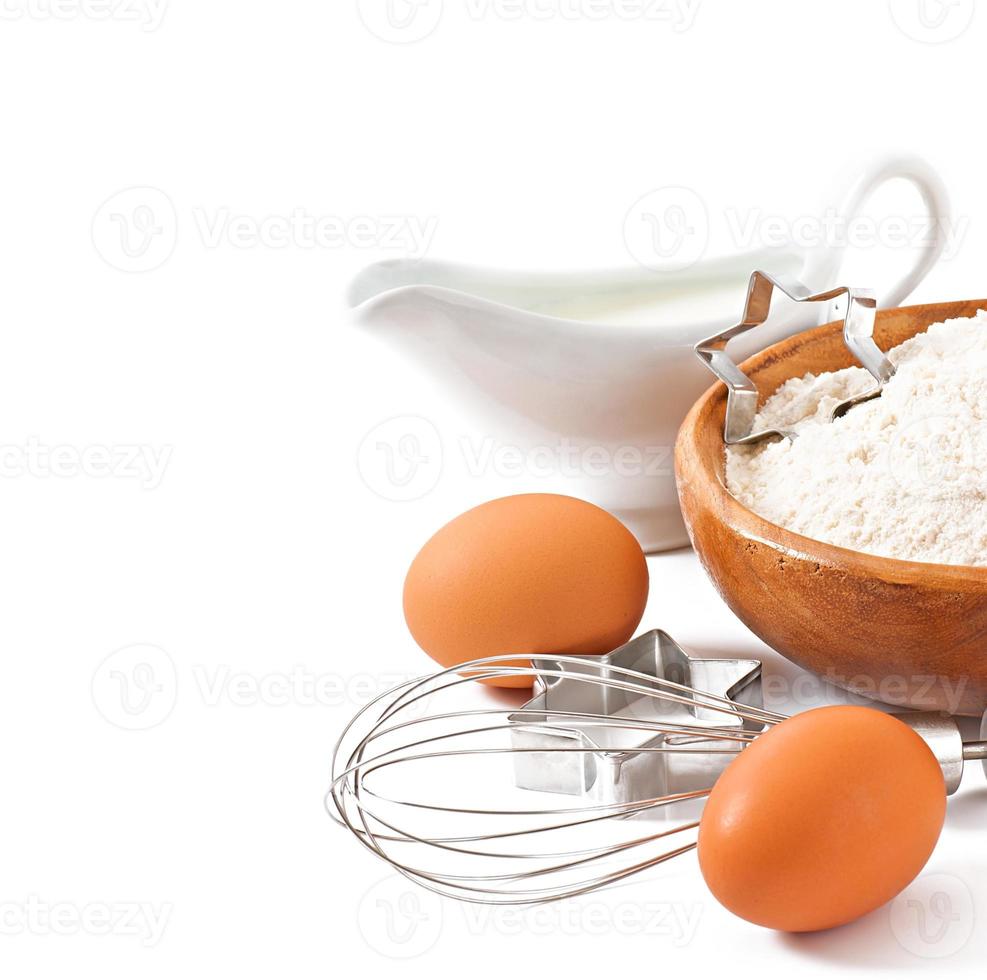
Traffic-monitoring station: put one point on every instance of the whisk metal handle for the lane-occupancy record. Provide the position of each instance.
(942, 735)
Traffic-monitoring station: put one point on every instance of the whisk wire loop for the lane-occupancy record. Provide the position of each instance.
(488, 852)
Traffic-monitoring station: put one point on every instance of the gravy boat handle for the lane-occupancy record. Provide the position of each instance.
(824, 262)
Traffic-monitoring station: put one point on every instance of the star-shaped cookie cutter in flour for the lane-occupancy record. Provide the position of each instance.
(618, 768)
(859, 307)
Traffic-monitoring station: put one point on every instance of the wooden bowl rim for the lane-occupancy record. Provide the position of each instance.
(712, 406)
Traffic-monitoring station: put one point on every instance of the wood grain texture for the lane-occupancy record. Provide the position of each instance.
(903, 632)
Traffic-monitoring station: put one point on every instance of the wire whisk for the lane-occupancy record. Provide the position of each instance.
(423, 777)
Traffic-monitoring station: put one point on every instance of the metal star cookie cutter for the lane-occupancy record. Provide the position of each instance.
(742, 394)
(618, 769)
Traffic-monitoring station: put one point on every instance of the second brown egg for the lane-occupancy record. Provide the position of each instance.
(529, 574)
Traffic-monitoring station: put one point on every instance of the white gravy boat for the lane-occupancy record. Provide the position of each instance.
(597, 369)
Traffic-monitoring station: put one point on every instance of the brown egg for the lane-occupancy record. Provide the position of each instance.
(822, 819)
(531, 574)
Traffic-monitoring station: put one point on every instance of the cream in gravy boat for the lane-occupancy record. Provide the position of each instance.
(598, 367)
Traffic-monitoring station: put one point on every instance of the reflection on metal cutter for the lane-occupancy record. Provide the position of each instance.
(618, 768)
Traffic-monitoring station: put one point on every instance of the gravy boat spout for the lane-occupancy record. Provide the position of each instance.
(603, 399)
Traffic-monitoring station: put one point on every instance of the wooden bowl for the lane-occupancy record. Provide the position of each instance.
(902, 632)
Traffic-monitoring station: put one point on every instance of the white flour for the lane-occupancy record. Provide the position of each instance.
(903, 475)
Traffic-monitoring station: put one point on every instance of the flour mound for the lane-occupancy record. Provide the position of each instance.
(903, 475)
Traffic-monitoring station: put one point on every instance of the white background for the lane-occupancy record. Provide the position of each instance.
(256, 571)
